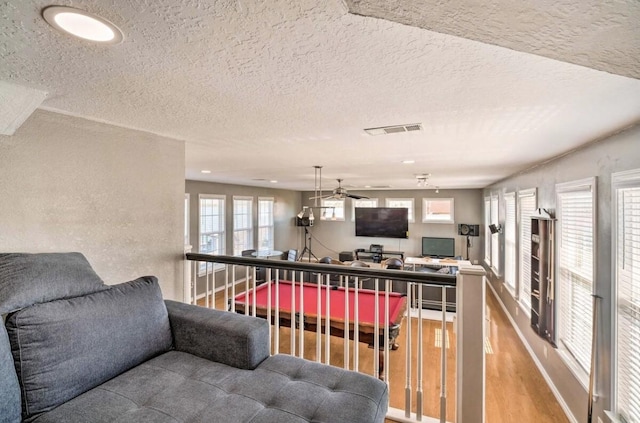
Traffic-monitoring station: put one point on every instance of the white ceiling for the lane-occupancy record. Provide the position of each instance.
(267, 91)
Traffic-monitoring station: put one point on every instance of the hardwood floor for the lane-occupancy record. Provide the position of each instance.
(515, 389)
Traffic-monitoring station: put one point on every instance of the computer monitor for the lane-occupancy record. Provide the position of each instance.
(438, 247)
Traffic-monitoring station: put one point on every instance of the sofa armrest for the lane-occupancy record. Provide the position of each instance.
(232, 339)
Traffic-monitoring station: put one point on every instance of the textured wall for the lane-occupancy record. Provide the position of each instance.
(601, 159)
(114, 194)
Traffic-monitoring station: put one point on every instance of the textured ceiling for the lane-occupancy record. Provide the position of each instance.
(266, 91)
(603, 35)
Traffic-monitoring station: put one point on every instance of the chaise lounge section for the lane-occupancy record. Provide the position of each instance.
(77, 350)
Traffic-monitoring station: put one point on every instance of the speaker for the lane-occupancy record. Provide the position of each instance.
(303, 221)
(468, 230)
(346, 256)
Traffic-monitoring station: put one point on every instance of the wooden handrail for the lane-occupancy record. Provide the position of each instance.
(441, 279)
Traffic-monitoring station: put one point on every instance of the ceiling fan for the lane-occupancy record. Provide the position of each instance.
(339, 193)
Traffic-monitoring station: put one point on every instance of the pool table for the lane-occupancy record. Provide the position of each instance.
(337, 319)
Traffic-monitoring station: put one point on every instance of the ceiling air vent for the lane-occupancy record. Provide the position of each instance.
(383, 130)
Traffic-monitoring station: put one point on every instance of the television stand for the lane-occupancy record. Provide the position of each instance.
(377, 256)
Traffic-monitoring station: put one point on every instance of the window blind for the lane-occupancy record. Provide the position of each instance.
(627, 275)
(265, 224)
(212, 228)
(487, 232)
(575, 270)
(334, 210)
(510, 241)
(242, 224)
(528, 205)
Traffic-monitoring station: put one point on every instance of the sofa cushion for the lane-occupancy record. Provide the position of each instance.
(66, 347)
(180, 387)
(27, 279)
(9, 387)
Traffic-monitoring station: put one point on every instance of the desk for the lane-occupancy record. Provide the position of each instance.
(378, 256)
(267, 253)
(428, 261)
(338, 322)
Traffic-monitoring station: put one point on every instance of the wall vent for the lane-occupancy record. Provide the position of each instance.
(395, 129)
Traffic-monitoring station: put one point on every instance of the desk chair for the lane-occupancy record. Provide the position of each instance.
(292, 255)
(352, 279)
(333, 278)
(261, 272)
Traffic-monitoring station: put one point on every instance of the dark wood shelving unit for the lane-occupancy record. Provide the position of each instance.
(542, 275)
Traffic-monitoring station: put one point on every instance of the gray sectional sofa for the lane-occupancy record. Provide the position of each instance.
(76, 350)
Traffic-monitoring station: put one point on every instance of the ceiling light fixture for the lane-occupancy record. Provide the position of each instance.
(421, 180)
(82, 24)
(273, 181)
(408, 161)
(205, 171)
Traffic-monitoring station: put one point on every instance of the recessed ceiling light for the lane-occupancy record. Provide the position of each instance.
(82, 24)
(205, 171)
(408, 161)
(273, 181)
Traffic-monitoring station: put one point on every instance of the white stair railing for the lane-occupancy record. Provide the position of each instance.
(469, 322)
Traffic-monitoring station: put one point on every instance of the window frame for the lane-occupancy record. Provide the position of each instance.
(412, 215)
(487, 231)
(572, 362)
(524, 248)
(271, 239)
(495, 238)
(619, 181)
(511, 246)
(335, 217)
(222, 234)
(248, 230)
(353, 206)
(187, 219)
(448, 220)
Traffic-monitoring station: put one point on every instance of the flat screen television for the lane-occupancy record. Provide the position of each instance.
(382, 222)
(438, 247)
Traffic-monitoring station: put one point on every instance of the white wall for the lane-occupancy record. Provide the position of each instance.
(617, 153)
(113, 194)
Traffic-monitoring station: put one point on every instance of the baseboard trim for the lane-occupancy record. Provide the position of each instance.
(537, 362)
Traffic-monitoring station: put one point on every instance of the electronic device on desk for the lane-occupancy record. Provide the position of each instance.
(375, 248)
(438, 247)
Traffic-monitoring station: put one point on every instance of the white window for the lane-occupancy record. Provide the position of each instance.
(437, 210)
(626, 268)
(186, 219)
(510, 241)
(363, 202)
(495, 238)
(487, 232)
(402, 203)
(575, 209)
(527, 206)
(265, 224)
(332, 210)
(242, 224)
(212, 227)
